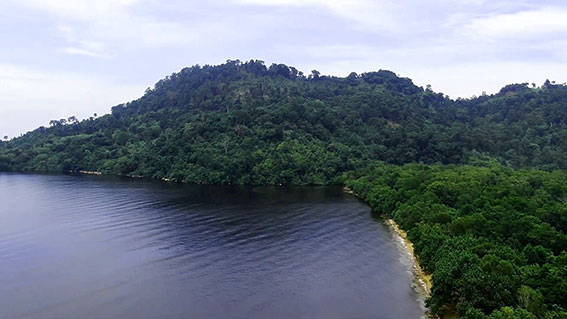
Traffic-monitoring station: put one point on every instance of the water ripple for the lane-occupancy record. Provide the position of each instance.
(95, 247)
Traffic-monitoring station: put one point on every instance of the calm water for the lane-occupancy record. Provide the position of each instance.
(94, 247)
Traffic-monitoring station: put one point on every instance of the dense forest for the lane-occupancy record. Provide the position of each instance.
(247, 123)
(493, 238)
(484, 202)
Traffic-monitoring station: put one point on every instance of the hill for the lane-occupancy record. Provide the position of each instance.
(493, 237)
(247, 123)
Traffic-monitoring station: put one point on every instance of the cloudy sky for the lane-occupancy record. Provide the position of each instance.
(78, 57)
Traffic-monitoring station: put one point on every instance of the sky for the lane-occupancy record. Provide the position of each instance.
(61, 58)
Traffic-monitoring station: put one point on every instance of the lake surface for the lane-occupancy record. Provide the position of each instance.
(97, 247)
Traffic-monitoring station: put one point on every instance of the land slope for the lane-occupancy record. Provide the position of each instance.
(247, 123)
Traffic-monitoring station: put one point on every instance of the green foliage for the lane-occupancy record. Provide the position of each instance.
(492, 237)
(251, 124)
(512, 313)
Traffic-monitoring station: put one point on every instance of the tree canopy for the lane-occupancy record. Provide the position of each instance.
(493, 238)
(247, 123)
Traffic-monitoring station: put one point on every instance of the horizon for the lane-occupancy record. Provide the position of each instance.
(83, 57)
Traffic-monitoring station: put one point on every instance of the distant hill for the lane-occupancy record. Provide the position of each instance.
(247, 123)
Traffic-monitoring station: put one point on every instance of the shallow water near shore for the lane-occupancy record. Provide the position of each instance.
(99, 247)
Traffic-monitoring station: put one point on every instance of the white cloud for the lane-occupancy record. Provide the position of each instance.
(396, 17)
(519, 25)
(84, 10)
(113, 25)
(91, 49)
(79, 51)
(377, 15)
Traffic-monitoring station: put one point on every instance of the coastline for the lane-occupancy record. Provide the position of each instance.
(89, 172)
(164, 179)
(423, 281)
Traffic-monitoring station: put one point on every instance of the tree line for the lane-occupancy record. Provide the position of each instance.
(493, 238)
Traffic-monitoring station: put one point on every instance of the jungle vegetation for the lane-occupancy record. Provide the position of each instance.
(493, 238)
(245, 123)
(477, 183)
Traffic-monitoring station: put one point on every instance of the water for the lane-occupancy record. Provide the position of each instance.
(95, 247)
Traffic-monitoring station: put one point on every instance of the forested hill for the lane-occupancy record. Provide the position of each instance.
(251, 124)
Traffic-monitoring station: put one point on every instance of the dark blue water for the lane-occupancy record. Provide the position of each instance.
(95, 247)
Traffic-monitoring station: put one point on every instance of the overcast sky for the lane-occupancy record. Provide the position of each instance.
(61, 58)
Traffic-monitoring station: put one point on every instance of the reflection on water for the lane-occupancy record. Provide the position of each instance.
(96, 247)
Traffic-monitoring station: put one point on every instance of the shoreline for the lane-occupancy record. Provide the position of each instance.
(422, 281)
(164, 179)
(89, 172)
